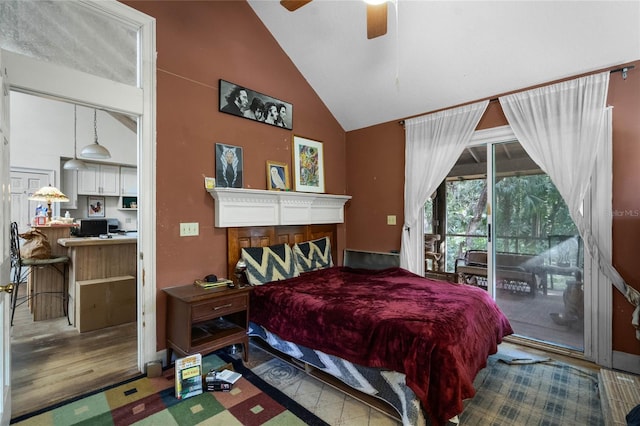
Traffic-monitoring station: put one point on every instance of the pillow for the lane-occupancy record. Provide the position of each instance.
(266, 264)
(313, 255)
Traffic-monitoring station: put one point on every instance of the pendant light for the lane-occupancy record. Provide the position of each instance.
(95, 150)
(75, 164)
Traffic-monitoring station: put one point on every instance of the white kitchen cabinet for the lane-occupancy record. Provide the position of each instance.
(99, 179)
(128, 181)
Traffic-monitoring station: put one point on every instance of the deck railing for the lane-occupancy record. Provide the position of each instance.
(556, 249)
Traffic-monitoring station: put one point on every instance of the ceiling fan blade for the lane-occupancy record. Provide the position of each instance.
(376, 20)
(292, 5)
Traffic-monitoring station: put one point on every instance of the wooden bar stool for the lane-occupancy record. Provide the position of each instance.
(59, 263)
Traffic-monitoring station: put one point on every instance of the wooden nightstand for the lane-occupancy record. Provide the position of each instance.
(204, 320)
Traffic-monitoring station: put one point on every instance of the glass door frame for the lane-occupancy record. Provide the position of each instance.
(488, 138)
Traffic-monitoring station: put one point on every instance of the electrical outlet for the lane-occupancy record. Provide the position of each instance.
(189, 229)
(391, 219)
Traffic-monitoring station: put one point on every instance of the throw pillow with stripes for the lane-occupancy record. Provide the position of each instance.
(313, 255)
(266, 264)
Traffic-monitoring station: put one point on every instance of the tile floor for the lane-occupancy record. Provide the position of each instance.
(331, 405)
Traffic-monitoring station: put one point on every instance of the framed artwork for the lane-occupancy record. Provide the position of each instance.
(242, 102)
(277, 176)
(228, 166)
(308, 165)
(95, 206)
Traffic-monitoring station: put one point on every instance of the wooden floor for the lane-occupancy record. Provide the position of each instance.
(51, 362)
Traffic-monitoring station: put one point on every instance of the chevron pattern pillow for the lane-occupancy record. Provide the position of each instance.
(313, 255)
(266, 264)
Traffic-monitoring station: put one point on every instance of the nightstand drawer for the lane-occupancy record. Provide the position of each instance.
(218, 307)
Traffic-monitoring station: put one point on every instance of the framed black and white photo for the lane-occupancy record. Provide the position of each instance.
(228, 166)
(243, 102)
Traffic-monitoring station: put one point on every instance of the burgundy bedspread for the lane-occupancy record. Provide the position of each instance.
(438, 334)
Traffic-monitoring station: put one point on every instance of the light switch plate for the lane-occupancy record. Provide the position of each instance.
(391, 219)
(189, 229)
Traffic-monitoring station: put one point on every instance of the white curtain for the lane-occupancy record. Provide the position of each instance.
(433, 144)
(561, 128)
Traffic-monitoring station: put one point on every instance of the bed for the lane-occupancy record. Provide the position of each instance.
(415, 343)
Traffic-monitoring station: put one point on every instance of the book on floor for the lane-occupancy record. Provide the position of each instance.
(188, 374)
(221, 380)
(218, 386)
(228, 376)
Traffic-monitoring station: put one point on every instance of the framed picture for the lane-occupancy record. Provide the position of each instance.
(308, 165)
(242, 102)
(277, 176)
(95, 206)
(228, 166)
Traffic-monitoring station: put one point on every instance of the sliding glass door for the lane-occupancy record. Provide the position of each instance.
(506, 222)
(538, 260)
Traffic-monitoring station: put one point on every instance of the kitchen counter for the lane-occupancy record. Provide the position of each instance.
(96, 241)
(102, 280)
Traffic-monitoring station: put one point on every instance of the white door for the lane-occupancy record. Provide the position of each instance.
(5, 262)
(23, 185)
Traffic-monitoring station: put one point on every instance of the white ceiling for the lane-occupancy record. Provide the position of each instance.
(438, 54)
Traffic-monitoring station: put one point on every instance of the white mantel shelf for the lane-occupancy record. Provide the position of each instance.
(257, 207)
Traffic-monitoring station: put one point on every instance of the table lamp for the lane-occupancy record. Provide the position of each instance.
(49, 194)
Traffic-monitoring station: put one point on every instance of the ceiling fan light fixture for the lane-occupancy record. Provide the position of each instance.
(376, 14)
(95, 150)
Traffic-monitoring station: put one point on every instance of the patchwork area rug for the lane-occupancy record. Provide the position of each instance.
(151, 401)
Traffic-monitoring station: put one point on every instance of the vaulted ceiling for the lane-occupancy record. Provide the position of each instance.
(439, 54)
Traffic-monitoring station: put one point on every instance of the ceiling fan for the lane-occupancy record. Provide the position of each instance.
(376, 15)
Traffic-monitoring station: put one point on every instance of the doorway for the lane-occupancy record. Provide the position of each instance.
(534, 234)
(47, 127)
(504, 212)
(72, 81)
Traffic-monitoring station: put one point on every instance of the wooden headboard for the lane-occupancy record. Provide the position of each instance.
(263, 236)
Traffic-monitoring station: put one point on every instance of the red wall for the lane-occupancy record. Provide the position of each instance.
(199, 43)
(376, 182)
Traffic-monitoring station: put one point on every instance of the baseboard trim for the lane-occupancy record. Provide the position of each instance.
(626, 362)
